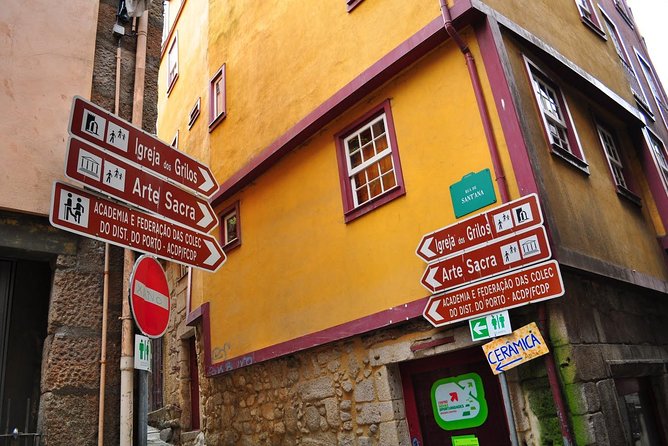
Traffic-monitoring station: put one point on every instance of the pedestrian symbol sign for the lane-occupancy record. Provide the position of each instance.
(490, 326)
(459, 402)
(142, 353)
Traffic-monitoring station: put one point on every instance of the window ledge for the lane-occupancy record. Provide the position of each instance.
(570, 158)
(232, 245)
(217, 120)
(170, 87)
(377, 202)
(352, 4)
(629, 195)
(593, 26)
(644, 107)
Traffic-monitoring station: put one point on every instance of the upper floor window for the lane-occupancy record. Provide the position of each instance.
(351, 4)
(588, 15)
(658, 150)
(217, 100)
(165, 20)
(620, 175)
(624, 11)
(230, 230)
(369, 167)
(194, 113)
(556, 118)
(172, 63)
(175, 140)
(654, 88)
(616, 40)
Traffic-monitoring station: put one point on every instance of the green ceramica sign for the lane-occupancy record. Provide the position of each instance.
(459, 402)
(473, 192)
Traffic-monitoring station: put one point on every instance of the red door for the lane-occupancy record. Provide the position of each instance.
(428, 382)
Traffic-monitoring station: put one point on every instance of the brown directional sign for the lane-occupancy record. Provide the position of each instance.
(521, 287)
(87, 214)
(500, 221)
(498, 256)
(105, 173)
(101, 128)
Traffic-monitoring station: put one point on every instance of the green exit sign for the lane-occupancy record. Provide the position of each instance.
(490, 326)
(473, 192)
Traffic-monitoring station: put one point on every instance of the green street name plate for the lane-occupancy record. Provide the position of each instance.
(473, 192)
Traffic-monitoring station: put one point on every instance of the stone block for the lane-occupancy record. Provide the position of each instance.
(66, 418)
(364, 391)
(317, 389)
(582, 398)
(388, 383)
(73, 362)
(312, 418)
(590, 429)
(76, 300)
(331, 406)
(610, 414)
(394, 433)
(392, 353)
(377, 412)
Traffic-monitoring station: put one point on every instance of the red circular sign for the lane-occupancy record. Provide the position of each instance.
(149, 296)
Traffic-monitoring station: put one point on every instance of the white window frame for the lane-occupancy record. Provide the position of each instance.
(609, 144)
(173, 63)
(562, 121)
(194, 113)
(165, 20)
(217, 87)
(659, 155)
(365, 164)
(648, 73)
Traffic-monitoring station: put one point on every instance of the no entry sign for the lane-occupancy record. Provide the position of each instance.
(149, 297)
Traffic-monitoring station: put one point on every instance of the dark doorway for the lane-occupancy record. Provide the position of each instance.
(24, 301)
(431, 384)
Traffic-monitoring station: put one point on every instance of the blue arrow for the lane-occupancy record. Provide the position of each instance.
(502, 367)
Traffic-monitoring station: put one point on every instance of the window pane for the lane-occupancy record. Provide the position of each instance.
(353, 144)
(372, 171)
(359, 179)
(386, 164)
(389, 181)
(365, 136)
(381, 144)
(375, 188)
(355, 159)
(368, 152)
(230, 227)
(362, 195)
(378, 128)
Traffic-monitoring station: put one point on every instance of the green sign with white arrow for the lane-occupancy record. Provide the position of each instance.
(490, 326)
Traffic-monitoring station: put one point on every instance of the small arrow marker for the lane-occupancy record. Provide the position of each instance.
(213, 258)
(208, 183)
(430, 280)
(208, 218)
(478, 328)
(432, 311)
(424, 249)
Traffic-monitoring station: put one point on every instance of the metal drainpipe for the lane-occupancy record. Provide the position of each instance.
(503, 189)
(553, 378)
(480, 99)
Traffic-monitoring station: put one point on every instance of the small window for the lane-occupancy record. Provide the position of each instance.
(217, 105)
(653, 86)
(658, 150)
(173, 64)
(556, 119)
(616, 40)
(369, 165)
(612, 154)
(165, 21)
(588, 15)
(230, 230)
(175, 140)
(183, 271)
(351, 4)
(194, 114)
(624, 11)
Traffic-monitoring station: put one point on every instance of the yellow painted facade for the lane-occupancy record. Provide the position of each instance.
(300, 268)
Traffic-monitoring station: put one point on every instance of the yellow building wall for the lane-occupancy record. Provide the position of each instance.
(601, 60)
(587, 212)
(300, 267)
(286, 58)
(192, 83)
